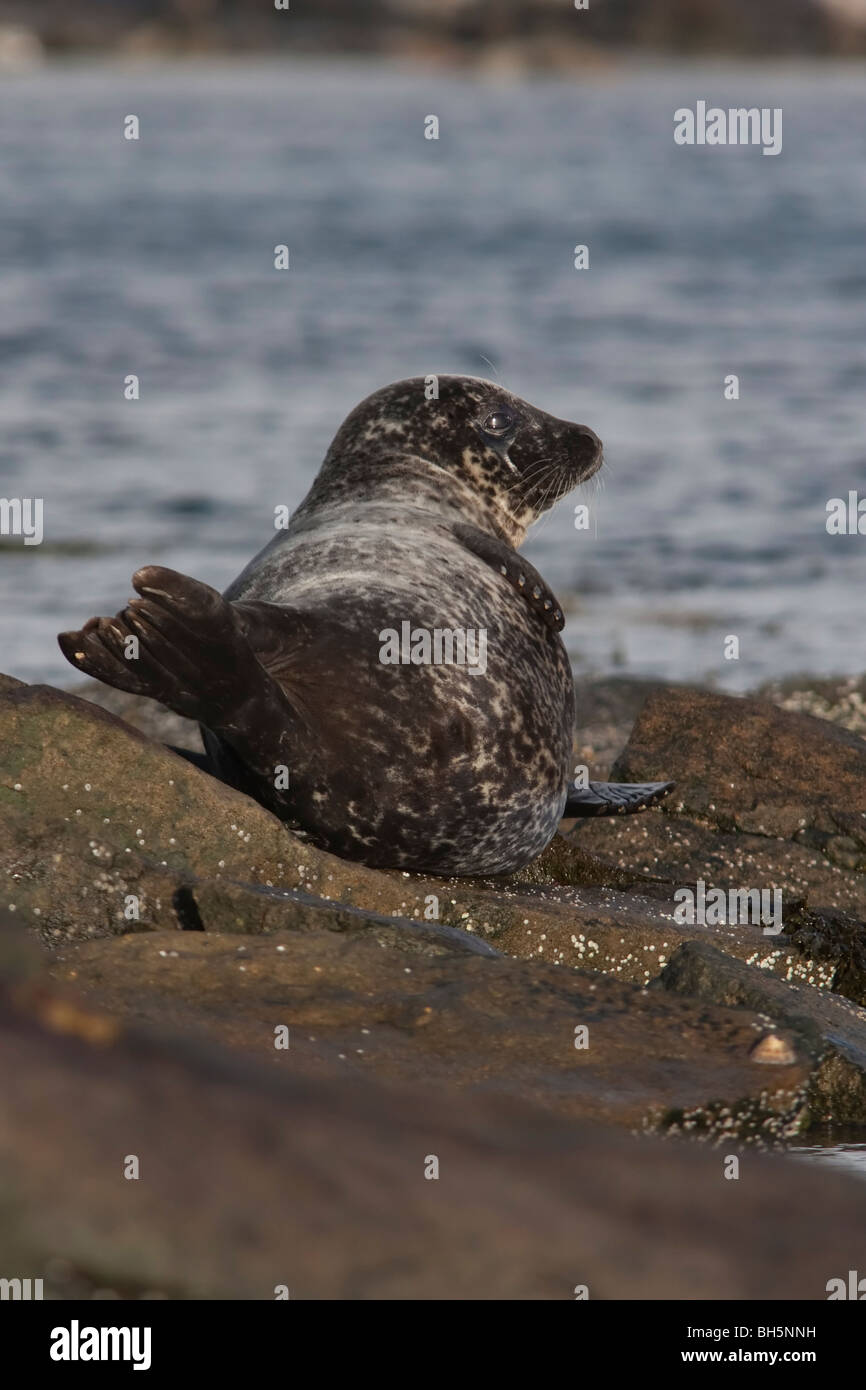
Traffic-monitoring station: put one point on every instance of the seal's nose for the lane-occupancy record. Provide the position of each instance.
(586, 452)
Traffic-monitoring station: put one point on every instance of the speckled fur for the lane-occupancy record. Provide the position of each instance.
(421, 767)
(414, 517)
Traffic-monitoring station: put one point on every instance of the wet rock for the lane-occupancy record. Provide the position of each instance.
(605, 711)
(830, 1029)
(412, 1036)
(215, 906)
(579, 1043)
(106, 832)
(256, 1176)
(829, 940)
(745, 764)
(608, 919)
(148, 716)
(625, 933)
(765, 798)
(566, 863)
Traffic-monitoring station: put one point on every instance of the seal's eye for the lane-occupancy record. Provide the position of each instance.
(499, 422)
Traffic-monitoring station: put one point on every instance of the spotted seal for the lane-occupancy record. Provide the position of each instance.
(315, 676)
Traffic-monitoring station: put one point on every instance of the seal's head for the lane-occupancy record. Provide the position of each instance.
(516, 458)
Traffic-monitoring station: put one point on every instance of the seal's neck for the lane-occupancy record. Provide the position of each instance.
(418, 485)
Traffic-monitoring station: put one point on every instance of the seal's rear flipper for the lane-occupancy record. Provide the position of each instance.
(183, 644)
(615, 798)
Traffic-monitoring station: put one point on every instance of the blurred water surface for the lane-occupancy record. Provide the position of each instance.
(846, 1158)
(411, 256)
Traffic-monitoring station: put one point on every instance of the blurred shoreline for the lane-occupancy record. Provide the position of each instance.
(511, 35)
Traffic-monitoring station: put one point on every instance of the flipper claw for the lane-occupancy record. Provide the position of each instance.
(615, 798)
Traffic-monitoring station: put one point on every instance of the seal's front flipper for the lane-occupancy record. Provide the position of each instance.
(615, 798)
(515, 571)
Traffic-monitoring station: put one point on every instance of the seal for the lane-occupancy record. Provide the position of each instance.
(387, 674)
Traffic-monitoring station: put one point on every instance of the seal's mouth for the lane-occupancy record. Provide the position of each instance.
(554, 484)
(575, 466)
